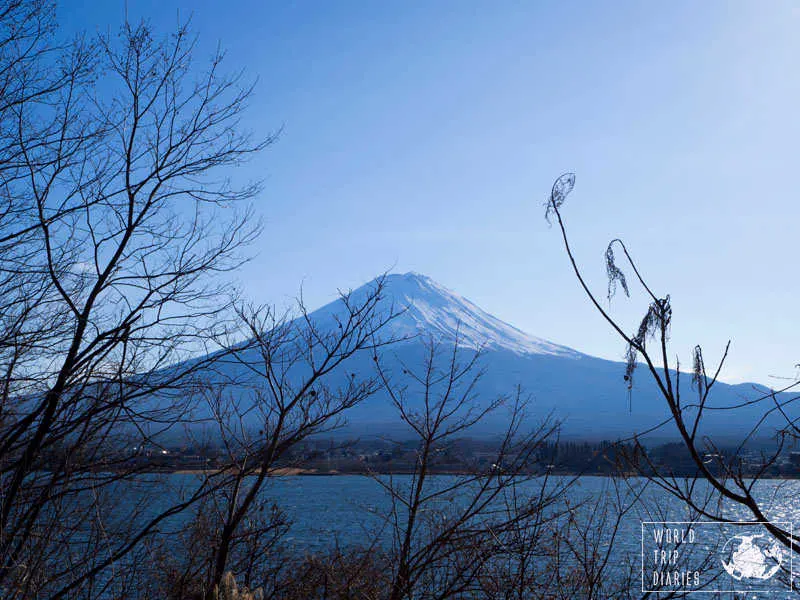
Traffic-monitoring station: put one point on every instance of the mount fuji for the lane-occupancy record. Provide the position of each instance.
(588, 395)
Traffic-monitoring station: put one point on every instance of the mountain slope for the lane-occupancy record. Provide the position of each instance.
(432, 309)
(589, 394)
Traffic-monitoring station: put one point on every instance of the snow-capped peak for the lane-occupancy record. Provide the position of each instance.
(431, 309)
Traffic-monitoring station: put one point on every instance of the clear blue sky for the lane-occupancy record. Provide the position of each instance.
(425, 136)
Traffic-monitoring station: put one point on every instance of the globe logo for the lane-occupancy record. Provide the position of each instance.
(751, 557)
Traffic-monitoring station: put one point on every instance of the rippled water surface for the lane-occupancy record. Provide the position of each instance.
(350, 509)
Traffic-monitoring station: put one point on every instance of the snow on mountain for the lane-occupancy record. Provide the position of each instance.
(588, 393)
(431, 309)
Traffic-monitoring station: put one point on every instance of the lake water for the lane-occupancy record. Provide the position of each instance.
(326, 508)
(347, 509)
(657, 537)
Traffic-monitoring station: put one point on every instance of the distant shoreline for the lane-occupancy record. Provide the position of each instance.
(310, 472)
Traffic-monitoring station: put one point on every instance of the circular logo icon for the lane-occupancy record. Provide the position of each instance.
(751, 557)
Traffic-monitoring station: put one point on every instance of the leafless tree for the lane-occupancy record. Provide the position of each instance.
(278, 390)
(460, 528)
(734, 483)
(117, 225)
(445, 529)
